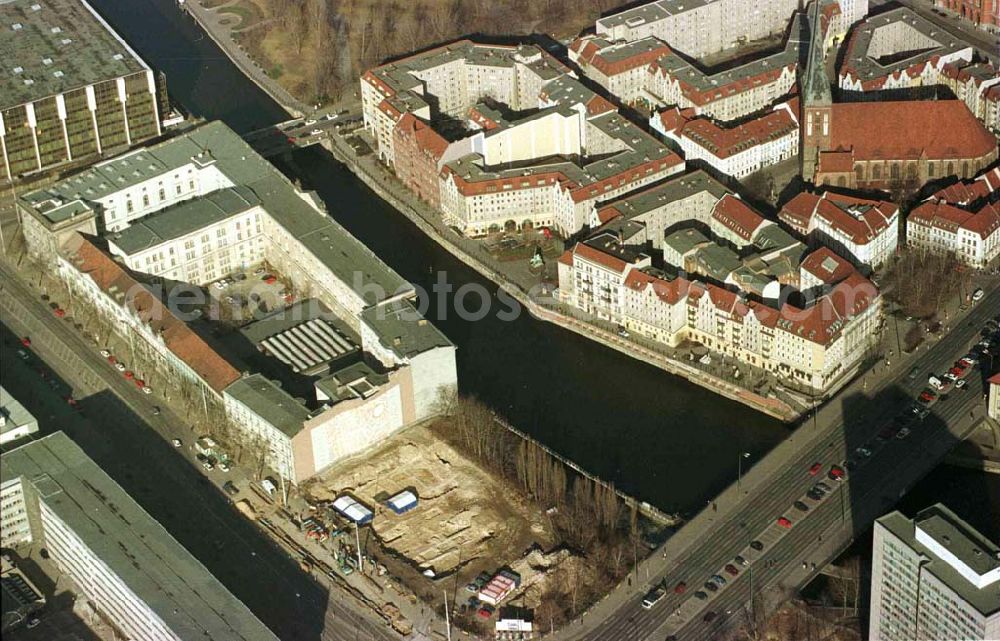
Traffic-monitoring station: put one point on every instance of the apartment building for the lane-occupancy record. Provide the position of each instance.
(978, 86)
(119, 558)
(453, 79)
(253, 214)
(155, 330)
(539, 147)
(72, 89)
(874, 53)
(875, 61)
(619, 67)
(652, 211)
(985, 14)
(731, 94)
(819, 346)
(699, 27)
(16, 421)
(933, 577)
(864, 231)
(561, 194)
(734, 151)
(971, 236)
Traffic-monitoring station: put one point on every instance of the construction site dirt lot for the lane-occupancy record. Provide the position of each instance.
(466, 521)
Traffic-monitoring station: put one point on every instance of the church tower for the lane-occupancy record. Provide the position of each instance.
(817, 99)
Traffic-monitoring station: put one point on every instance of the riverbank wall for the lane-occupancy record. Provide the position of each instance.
(221, 34)
(770, 406)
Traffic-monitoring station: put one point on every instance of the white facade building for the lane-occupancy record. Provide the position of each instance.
(864, 231)
(121, 560)
(738, 151)
(933, 577)
(699, 27)
(972, 237)
(16, 421)
(819, 347)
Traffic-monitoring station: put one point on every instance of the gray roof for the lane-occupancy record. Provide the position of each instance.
(402, 329)
(357, 379)
(961, 540)
(682, 69)
(651, 12)
(937, 42)
(684, 240)
(400, 74)
(266, 399)
(184, 218)
(59, 45)
(677, 188)
(13, 413)
(175, 585)
(215, 143)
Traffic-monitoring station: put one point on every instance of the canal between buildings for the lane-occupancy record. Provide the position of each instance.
(654, 435)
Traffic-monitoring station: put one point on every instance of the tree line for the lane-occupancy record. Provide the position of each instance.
(341, 39)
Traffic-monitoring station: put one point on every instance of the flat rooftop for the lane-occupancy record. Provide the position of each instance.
(268, 400)
(402, 329)
(678, 188)
(214, 143)
(52, 46)
(175, 585)
(186, 217)
(13, 415)
(652, 12)
(967, 545)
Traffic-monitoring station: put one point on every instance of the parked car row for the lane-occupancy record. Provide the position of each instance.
(127, 373)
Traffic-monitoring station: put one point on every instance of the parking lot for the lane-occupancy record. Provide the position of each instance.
(244, 296)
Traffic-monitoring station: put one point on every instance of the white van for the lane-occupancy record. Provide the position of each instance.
(268, 486)
(935, 382)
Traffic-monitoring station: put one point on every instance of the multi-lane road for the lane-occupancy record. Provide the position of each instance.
(119, 429)
(786, 562)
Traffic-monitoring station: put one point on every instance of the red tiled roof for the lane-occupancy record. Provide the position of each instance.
(644, 58)
(985, 221)
(836, 161)
(862, 228)
(798, 211)
(936, 129)
(940, 215)
(963, 193)
(669, 291)
(180, 339)
(427, 139)
(601, 258)
(725, 142)
(827, 266)
(737, 216)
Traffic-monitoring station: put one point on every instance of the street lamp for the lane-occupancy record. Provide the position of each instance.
(739, 471)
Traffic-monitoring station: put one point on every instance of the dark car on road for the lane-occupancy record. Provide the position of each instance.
(800, 506)
(711, 587)
(757, 545)
(700, 595)
(709, 617)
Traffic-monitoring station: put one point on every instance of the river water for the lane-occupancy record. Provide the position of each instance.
(655, 435)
